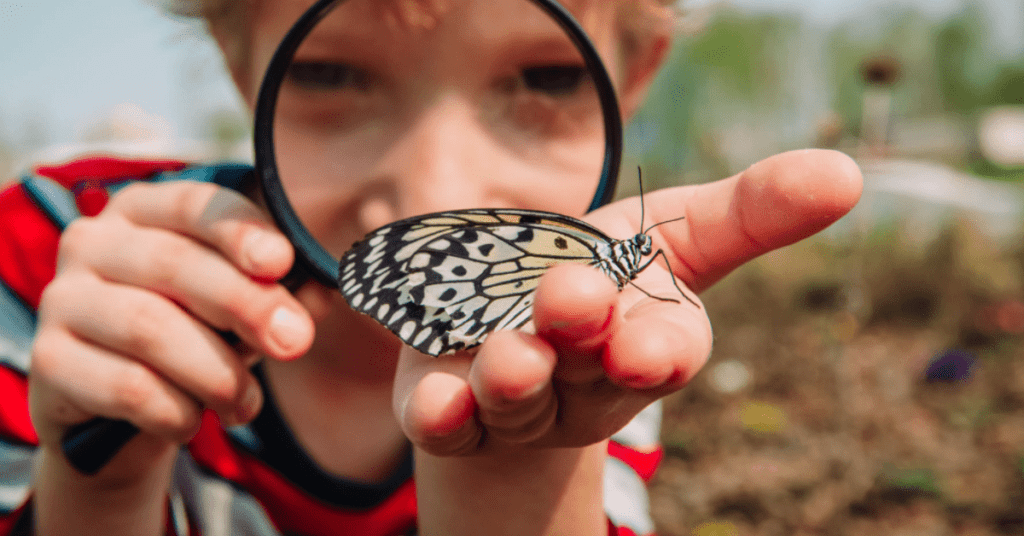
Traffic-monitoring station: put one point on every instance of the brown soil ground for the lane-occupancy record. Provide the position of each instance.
(838, 432)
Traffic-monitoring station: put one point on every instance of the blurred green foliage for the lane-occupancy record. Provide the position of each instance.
(909, 481)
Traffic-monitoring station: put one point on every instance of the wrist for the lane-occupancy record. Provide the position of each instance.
(126, 497)
(525, 491)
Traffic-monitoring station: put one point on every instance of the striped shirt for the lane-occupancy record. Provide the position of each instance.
(244, 480)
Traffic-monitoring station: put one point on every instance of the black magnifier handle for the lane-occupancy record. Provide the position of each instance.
(90, 445)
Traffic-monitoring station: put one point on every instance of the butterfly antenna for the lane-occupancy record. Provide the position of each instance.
(640, 179)
(664, 222)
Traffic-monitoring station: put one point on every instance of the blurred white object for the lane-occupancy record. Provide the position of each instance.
(923, 197)
(129, 131)
(1001, 135)
(729, 376)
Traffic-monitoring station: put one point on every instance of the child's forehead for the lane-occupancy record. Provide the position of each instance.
(384, 27)
(425, 14)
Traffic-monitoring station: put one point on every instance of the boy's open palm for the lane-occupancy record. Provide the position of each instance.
(599, 356)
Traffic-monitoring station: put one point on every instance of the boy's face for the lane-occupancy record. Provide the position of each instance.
(395, 108)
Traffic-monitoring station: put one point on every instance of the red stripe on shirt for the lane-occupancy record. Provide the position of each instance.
(292, 510)
(14, 419)
(28, 245)
(619, 531)
(10, 520)
(644, 463)
(91, 199)
(106, 168)
(28, 239)
(86, 177)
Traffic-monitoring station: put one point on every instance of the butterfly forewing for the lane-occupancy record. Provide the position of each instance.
(442, 282)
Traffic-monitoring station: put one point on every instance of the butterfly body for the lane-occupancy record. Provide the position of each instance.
(443, 281)
(624, 258)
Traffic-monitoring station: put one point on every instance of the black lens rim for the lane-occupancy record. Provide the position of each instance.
(313, 258)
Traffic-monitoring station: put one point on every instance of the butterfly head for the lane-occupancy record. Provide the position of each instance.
(643, 243)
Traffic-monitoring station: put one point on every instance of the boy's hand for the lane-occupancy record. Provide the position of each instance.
(127, 326)
(599, 355)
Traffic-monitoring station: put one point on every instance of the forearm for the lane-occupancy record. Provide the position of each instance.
(531, 492)
(68, 502)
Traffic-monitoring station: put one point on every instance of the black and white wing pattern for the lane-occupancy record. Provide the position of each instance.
(443, 281)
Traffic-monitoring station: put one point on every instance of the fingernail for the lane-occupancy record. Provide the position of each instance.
(288, 329)
(263, 249)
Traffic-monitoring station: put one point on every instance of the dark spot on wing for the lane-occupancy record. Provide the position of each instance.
(560, 243)
(485, 249)
(433, 277)
(415, 311)
(459, 271)
(525, 235)
(416, 293)
(457, 249)
(448, 294)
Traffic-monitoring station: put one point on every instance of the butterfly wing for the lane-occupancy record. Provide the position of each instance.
(442, 282)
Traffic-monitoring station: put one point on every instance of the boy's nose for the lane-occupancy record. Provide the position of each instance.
(446, 160)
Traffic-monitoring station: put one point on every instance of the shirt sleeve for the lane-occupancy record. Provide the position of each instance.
(17, 327)
(633, 455)
(33, 213)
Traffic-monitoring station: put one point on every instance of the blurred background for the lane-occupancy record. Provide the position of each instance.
(867, 381)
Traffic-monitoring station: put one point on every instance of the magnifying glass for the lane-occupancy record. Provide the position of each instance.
(372, 110)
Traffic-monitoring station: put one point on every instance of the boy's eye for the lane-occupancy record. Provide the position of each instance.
(555, 80)
(327, 76)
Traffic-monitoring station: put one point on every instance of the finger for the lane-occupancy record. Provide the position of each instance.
(775, 202)
(158, 333)
(511, 382)
(657, 346)
(317, 299)
(572, 311)
(265, 315)
(434, 403)
(219, 217)
(100, 382)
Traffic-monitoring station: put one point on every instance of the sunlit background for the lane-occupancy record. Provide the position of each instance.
(868, 381)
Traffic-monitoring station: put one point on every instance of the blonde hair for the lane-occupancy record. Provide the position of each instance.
(228, 21)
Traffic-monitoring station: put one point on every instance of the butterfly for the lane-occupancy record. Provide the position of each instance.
(443, 281)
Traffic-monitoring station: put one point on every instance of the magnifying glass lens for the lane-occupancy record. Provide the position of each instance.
(390, 109)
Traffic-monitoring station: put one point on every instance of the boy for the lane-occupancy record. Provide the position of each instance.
(321, 436)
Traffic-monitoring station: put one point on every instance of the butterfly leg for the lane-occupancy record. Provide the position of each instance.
(672, 275)
(649, 295)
